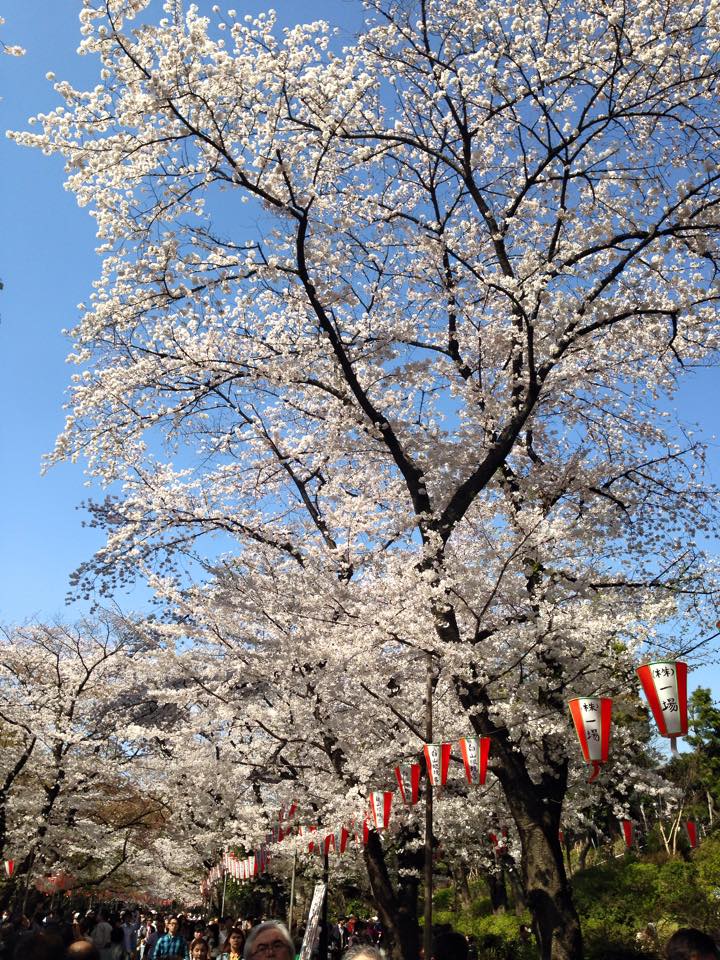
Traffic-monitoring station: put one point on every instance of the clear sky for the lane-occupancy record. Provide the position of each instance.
(47, 264)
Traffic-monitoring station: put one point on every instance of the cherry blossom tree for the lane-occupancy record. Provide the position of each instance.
(66, 694)
(385, 334)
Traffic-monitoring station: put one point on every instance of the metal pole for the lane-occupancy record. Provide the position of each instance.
(292, 893)
(427, 931)
(222, 905)
(324, 939)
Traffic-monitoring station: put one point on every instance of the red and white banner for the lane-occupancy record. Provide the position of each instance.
(408, 778)
(475, 752)
(305, 832)
(380, 807)
(691, 828)
(9, 867)
(340, 840)
(437, 758)
(665, 686)
(627, 826)
(592, 717)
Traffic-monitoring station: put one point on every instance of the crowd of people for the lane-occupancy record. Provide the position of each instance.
(134, 936)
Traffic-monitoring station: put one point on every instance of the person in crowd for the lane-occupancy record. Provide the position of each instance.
(198, 934)
(691, 944)
(151, 933)
(212, 935)
(116, 951)
(199, 950)
(39, 946)
(363, 951)
(171, 946)
(130, 932)
(268, 939)
(232, 949)
(82, 950)
(100, 936)
(449, 945)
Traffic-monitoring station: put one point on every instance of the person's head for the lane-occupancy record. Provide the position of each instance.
(235, 942)
(691, 944)
(39, 946)
(448, 945)
(200, 950)
(363, 952)
(198, 933)
(268, 939)
(82, 950)
(172, 924)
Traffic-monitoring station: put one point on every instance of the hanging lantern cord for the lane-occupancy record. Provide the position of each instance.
(596, 771)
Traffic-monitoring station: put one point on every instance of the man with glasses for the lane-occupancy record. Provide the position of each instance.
(269, 940)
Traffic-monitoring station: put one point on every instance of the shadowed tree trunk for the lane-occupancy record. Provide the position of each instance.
(397, 909)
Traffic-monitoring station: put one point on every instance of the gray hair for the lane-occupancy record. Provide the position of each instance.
(363, 951)
(276, 925)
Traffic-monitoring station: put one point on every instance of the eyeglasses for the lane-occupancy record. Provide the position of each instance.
(263, 949)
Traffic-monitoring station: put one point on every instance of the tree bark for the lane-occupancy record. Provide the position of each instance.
(397, 910)
(498, 891)
(536, 809)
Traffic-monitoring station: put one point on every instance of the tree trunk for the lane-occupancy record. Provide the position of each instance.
(536, 809)
(462, 887)
(397, 911)
(583, 855)
(497, 890)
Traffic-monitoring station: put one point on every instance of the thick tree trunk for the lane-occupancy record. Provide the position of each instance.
(397, 910)
(535, 808)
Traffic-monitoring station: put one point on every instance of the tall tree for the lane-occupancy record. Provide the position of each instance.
(415, 381)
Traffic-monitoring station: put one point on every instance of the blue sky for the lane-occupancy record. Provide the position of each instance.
(47, 264)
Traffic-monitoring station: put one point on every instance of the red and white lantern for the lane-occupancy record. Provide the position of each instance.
(627, 826)
(408, 778)
(380, 806)
(592, 717)
(691, 828)
(9, 867)
(664, 683)
(437, 758)
(475, 752)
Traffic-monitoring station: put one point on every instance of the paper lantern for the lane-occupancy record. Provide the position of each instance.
(380, 806)
(475, 751)
(408, 778)
(691, 828)
(437, 758)
(665, 686)
(9, 867)
(592, 716)
(627, 826)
